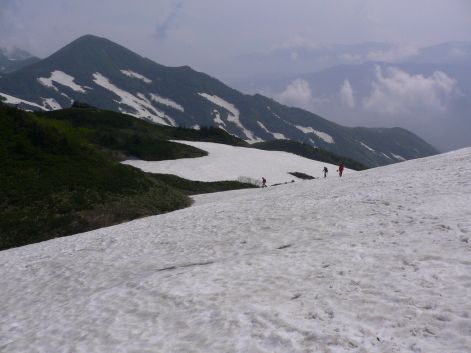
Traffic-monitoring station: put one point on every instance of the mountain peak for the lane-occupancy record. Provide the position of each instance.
(90, 38)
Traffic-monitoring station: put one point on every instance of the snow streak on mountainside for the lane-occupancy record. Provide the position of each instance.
(15, 101)
(322, 135)
(133, 74)
(226, 162)
(140, 105)
(374, 262)
(233, 117)
(63, 79)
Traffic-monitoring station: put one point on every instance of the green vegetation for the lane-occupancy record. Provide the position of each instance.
(190, 187)
(307, 151)
(125, 136)
(60, 175)
(301, 175)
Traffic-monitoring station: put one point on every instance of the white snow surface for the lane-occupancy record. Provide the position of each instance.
(226, 162)
(63, 79)
(13, 100)
(140, 105)
(376, 262)
(167, 101)
(322, 135)
(133, 74)
(233, 117)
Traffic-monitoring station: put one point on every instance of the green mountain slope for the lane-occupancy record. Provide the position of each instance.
(60, 172)
(307, 151)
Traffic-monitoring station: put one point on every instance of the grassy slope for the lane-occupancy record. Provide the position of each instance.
(308, 151)
(61, 174)
(191, 187)
(134, 137)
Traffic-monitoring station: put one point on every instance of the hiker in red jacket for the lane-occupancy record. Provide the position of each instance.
(341, 168)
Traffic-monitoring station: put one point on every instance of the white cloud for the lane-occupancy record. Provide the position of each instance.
(396, 53)
(397, 92)
(346, 94)
(298, 93)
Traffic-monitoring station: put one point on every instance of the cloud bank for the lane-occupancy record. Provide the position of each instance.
(299, 94)
(396, 92)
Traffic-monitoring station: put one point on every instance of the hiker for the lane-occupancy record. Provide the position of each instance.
(325, 170)
(341, 168)
(264, 182)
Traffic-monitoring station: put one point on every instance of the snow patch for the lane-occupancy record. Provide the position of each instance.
(166, 101)
(51, 104)
(133, 74)
(13, 100)
(398, 157)
(217, 118)
(233, 116)
(63, 79)
(322, 135)
(142, 107)
(276, 135)
(366, 146)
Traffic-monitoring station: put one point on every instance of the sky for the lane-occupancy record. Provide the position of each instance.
(204, 33)
(214, 36)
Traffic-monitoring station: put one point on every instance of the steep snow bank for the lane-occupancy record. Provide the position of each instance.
(378, 261)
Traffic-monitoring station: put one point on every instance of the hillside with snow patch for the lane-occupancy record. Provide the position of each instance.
(378, 261)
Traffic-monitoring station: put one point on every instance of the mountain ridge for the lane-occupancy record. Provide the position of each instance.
(102, 73)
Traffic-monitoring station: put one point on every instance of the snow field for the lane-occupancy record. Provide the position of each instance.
(226, 162)
(377, 261)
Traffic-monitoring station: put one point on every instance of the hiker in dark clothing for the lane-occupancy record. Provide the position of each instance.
(264, 182)
(341, 168)
(325, 170)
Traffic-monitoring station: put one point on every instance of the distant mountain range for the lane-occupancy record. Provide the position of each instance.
(292, 60)
(12, 60)
(426, 90)
(106, 75)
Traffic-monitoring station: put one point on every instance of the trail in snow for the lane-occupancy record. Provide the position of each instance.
(378, 261)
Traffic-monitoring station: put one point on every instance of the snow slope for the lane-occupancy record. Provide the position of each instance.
(377, 262)
(226, 162)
